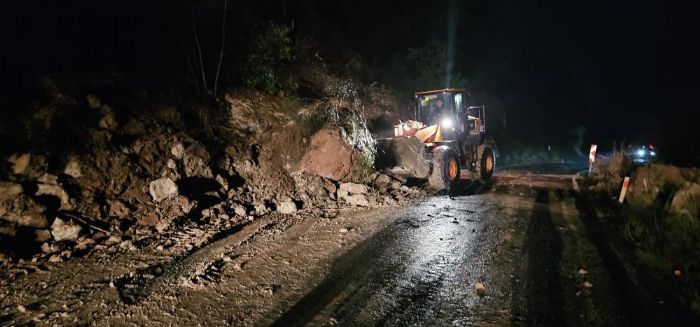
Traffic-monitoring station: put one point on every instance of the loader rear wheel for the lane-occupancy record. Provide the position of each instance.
(487, 163)
(445, 174)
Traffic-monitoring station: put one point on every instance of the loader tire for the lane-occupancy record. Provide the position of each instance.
(445, 173)
(486, 164)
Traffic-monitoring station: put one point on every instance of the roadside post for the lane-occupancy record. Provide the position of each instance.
(591, 157)
(625, 184)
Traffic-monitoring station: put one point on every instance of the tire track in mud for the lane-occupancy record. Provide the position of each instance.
(195, 266)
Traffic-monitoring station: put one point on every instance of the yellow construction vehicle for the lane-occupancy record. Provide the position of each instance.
(444, 144)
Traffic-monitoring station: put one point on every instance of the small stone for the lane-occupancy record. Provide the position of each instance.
(64, 231)
(46, 248)
(357, 200)
(21, 308)
(73, 169)
(162, 189)
(55, 258)
(117, 208)
(480, 289)
(287, 207)
(240, 211)
(19, 162)
(112, 240)
(343, 230)
(582, 272)
(178, 151)
(352, 188)
(587, 284)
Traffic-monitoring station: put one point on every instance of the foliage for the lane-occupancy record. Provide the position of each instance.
(427, 66)
(269, 50)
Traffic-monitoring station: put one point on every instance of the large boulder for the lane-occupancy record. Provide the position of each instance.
(328, 156)
(404, 156)
(16, 207)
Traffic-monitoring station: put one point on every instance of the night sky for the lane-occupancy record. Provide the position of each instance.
(623, 70)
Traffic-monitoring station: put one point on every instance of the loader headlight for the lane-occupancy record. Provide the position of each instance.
(641, 152)
(446, 123)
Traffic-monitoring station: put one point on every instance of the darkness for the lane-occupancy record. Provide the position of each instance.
(622, 70)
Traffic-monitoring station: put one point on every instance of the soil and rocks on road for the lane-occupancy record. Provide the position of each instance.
(502, 254)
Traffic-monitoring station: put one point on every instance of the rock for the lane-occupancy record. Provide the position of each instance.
(357, 200)
(17, 207)
(84, 243)
(93, 102)
(480, 288)
(64, 231)
(687, 201)
(382, 181)
(178, 150)
(19, 162)
(117, 208)
(587, 284)
(73, 169)
(287, 207)
(260, 209)
(328, 156)
(196, 166)
(240, 211)
(162, 189)
(149, 219)
(352, 188)
(46, 248)
(353, 194)
(166, 212)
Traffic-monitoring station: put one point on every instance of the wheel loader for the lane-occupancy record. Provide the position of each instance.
(443, 145)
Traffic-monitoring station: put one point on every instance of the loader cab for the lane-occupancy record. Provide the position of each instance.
(449, 110)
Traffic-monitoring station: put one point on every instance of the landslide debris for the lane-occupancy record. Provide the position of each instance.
(94, 171)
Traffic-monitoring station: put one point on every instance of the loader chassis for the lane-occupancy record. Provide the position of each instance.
(453, 134)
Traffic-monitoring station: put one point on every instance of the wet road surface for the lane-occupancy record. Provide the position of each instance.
(524, 251)
(537, 252)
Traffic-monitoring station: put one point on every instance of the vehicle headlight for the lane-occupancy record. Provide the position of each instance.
(652, 153)
(641, 152)
(446, 123)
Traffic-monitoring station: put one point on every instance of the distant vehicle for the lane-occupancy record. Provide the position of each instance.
(641, 154)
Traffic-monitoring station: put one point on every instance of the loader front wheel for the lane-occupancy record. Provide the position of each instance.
(487, 163)
(445, 173)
